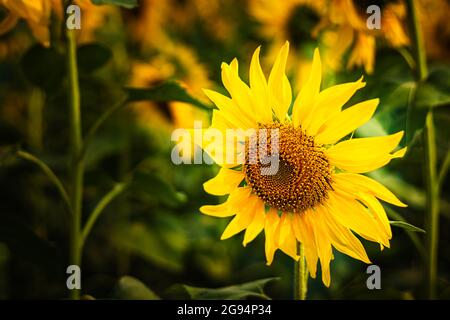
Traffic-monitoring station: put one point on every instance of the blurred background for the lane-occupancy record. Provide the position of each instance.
(152, 241)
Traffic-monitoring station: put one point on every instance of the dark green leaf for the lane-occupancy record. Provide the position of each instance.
(92, 57)
(248, 290)
(129, 4)
(435, 91)
(406, 226)
(165, 92)
(43, 67)
(130, 288)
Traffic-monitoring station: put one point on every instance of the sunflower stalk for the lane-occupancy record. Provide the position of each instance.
(430, 157)
(300, 274)
(77, 165)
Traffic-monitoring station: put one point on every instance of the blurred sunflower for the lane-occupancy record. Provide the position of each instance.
(292, 20)
(318, 196)
(35, 12)
(433, 15)
(176, 61)
(344, 28)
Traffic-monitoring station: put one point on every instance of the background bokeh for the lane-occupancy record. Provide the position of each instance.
(152, 238)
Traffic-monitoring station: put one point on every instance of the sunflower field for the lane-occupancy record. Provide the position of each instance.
(224, 149)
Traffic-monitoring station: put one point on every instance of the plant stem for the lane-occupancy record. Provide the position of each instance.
(77, 166)
(50, 174)
(430, 157)
(432, 204)
(300, 275)
(110, 196)
(417, 41)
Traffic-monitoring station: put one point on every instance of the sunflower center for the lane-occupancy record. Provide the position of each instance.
(299, 180)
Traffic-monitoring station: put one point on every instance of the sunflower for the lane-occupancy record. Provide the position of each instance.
(35, 12)
(344, 28)
(175, 61)
(433, 16)
(292, 20)
(318, 196)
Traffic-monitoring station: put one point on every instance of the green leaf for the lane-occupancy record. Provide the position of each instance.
(157, 187)
(35, 66)
(130, 288)
(92, 57)
(129, 4)
(435, 91)
(248, 290)
(406, 226)
(165, 92)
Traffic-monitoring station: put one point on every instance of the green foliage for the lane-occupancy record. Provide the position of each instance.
(406, 226)
(130, 288)
(248, 290)
(92, 57)
(165, 92)
(43, 67)
(129, 4)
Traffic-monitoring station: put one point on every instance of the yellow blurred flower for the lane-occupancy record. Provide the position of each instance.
(433, 15)
(344, 28)
(318, 195)
(292, 20)
(175, 62)
(36, 13)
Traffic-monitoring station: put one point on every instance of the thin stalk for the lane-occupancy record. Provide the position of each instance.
(35, 121)
(430, 157)
(77, 166)
(432, 204)
(300, 275)
(417, 41)
(110, 196)
(49, 172)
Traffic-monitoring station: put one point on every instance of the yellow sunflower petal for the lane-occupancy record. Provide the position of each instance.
(309, 92)
(242, 219)
(378, 211)
(259, 89)
(365, 154)
(238, 90)
(230, 111)
(344, 240)
(323, 244)
(329, 103)
(305, 234)
(271, 224)
(224, 183)
(285, 237)
(257, 225)
(346, 121)
(353, 215)
(229, 207)
(279, 87)
(368, 185)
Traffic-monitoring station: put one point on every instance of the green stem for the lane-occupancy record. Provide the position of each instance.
(98, 123)
(77, 166)
(430, 157)
(432, 204)
(35, 108)
(417, 41)
(110, 196)
(50, 174)
(300, 275)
